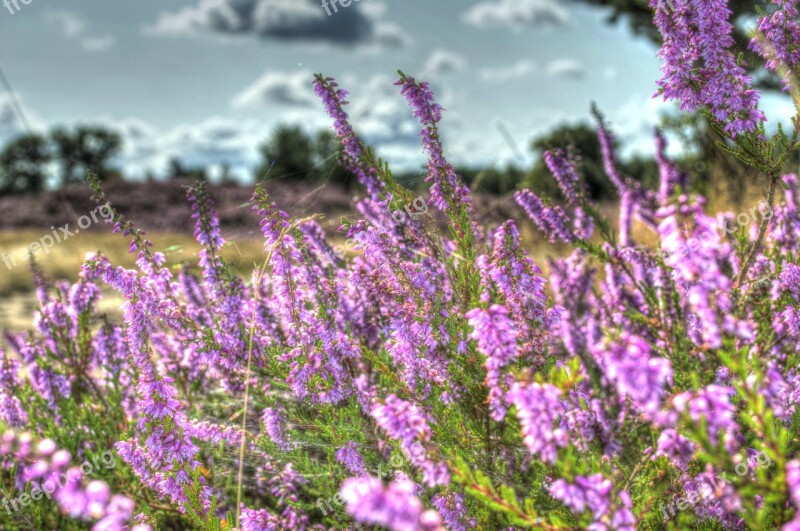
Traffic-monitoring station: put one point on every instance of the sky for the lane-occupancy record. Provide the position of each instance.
(206, 81)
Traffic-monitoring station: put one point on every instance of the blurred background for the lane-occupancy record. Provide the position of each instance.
(152, 96)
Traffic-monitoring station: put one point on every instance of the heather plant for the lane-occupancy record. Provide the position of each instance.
(435, 377)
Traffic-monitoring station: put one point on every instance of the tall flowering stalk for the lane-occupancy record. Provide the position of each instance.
(448, 193)
(700, 69)
(164, 456)
(778, 41)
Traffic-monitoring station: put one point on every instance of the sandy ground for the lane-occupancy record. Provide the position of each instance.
(16, 311)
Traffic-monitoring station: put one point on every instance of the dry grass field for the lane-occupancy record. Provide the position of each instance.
(64, 260)
(17, 301)
(244, 251)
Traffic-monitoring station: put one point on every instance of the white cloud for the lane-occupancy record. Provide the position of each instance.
(287, 88)
(634, 123)
(74, 28)
(214, 142)
(286, 20)
(219, 141)
(566, 68)
(778, 108)
(98, 44)
(442, 62)
(515, 14)
(505, 73)
(379, 113)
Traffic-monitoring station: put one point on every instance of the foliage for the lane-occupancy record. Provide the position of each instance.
(86, 148)
(24, 161)
(294, 155)
(177, 171)
(583, 140)
(23, 165)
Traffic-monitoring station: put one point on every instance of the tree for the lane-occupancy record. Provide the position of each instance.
(177, 170)
(288, 154)
(583, 139)
(86, 148)
(23, 165)
(713, 171)
(294, 155)
(328, 153)
(492, 180)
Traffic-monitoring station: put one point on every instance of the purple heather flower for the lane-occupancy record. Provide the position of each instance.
(779, 39)
(259, 520)
(712, 403)
(793, 483)
(168, 451)
(274, 423)
(572, 280)
(552, 221)
(496, 337)
(697, 259)
(699, 66)
(784, 231)
(47, 468)
(226, 293)
(626, 209)
(582, 224)
(670, 176)
(782, 394)
(592, 493)
(447, 190)
(454, 512)
(11, 411)
(333, 98)
(790, 280)
(587, 421)
(607, 143)
(677, 448)
(565, 173)
(348, 455)
(406, 422)
(718, 499)
(395, 507)
(637, 375)
(318, 344)
(539, 410)
(519, 283)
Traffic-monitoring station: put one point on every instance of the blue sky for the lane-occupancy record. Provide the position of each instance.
(207, 80)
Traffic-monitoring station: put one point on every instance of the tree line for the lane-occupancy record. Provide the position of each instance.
(32, 163)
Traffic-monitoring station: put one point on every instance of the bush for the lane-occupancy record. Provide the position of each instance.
(428, 382)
